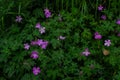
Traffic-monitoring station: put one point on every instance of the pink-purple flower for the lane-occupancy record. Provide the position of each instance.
(103, 17)
(34, 43)
(42, 30)
(97, 36)
(34, 55)
(118, 22)
(38, 25)
(36, 70)
(107, 43)
(100, 7)
(39, 42)
(18, 19)
(86, 52)
(61, 38)
(47, 13)
(26, 46)
(44, 44)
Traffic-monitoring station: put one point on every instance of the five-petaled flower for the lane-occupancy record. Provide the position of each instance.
(47, 13)
(18, 19)
(61, 38)
(118, 22)
(97, 35)
(107, 43)
(42, 30)
(36, 70)
(103, 17)
(26, 46)
(44, 44)
(34, 55)
(34, 43)
(86, 52)
(100, 7)
(38, 25)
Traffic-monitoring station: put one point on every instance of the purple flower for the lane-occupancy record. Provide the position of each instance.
(42, 30)
(44, 44)
(47, 13)
(100, 7)
(34, 55)
(107, 43)
(61, 38)
(118, 22)
(39, 42)
(26, 46)
(97, 35)
(34, 42)
(36, 70)
(86, 52)
(103, 17)
(38, 25)
(18, 19)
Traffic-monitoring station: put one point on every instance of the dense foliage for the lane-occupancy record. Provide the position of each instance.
(59, 40)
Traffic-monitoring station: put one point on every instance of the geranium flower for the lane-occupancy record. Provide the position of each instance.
(39, 42)
(107, 43)
(61, 38)
(42, 30)
(18, 19)
(118, 22)
(26, 46)
(86, 52)
(36, 70)
(103, 17)
(34, 42)
(34, 55)
(44, 44)
(38, 25)
(97, 35)
(47, 13)
(100, 7)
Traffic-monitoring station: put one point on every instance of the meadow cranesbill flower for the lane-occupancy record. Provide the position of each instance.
(34, 55)
(61, 38)
(86, 52)
(38, 25)
(34, 42)
(36, 70)
(118, 22)
(18, 19)
(107, 43)
(44, 44)
(47, 13)
(42, 30)
(26, 46)
(103, 17)
(39, 42)
(97, 35)
(100, 7)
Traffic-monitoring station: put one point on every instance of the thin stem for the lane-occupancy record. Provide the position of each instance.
(19, 9)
